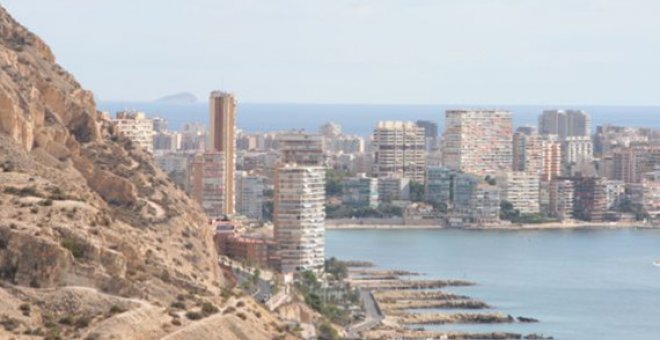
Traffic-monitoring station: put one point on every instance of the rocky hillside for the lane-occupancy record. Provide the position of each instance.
(95, 241)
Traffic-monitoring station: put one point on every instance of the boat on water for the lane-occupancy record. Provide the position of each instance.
(656, 263)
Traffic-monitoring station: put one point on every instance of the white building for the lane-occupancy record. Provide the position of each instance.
(521, 189)
(393, 188)
(136, 127)
(299, 217)
(578, 149)
(399, 150)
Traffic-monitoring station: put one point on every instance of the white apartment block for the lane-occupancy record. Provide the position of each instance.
(136, 127)
(399, 150)
(578, 149)
(478, 141)
(521, 189)
(299, 217)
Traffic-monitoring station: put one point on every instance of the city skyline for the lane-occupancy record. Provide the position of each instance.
(464, 52)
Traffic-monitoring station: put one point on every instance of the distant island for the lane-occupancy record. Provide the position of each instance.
(178, 98)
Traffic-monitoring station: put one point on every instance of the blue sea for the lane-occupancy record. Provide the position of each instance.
(361, 119)
(580, 284)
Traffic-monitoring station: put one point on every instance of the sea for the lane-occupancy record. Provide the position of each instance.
(361, 119)
(580, 284)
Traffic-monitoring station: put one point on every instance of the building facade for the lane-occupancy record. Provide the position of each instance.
(438, 185)
(222, 138)
(521, 189)
(250, 195)
(361, 191)
(393, 188)
(207, 183)
(478, 141)
(299, 217)
(399, 150)
(136, 127)
(297, 147)
(565, 123)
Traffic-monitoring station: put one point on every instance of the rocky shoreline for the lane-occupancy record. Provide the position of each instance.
(397, 297)
(356, 225)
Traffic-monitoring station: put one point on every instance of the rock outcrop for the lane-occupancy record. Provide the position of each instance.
(85, 216)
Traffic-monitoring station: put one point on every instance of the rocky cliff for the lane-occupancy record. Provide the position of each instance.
(95, 241)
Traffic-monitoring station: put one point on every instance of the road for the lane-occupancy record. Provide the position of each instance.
(373, 315)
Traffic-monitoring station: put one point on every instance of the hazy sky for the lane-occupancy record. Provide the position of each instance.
(358, 51)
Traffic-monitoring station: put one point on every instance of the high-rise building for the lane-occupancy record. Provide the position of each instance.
(222, 138)
(527, 151)
(298, 147)
(330, 130)
(136, 127)
(521, 189)
(430, 133)
(399, 150)
(478, 141)
(551, 151)
(207, 182)
(299, 217)
(565, 123)
(250, 195)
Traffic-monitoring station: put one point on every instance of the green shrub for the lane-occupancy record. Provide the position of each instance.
(116, 310)
(209, 309)
(194, 315)
(76, 248)
(178, 305)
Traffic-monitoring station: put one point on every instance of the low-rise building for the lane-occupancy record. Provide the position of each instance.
(521, 189)
(255, 251)
(562, 196)
(474, 201)
(393, 188)
(361, 191)
(438, 185)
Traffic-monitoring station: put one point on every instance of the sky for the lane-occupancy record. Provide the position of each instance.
(598, 52)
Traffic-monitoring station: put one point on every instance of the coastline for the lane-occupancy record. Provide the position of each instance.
(569, 225)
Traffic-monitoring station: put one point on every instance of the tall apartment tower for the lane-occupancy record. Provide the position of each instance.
(399, 150)
(297, 147)
(222, 138)
(478, 141)
(565, 123)
(527, 151)
(299, 217)
(552, 155)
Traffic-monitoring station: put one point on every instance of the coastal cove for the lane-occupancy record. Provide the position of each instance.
(580, 283)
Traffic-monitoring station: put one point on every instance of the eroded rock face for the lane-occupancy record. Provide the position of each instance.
(85, 209)
(31, 261)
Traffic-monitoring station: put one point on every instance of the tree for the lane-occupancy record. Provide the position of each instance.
(333, 182)
(416, 191)
(507, 212)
